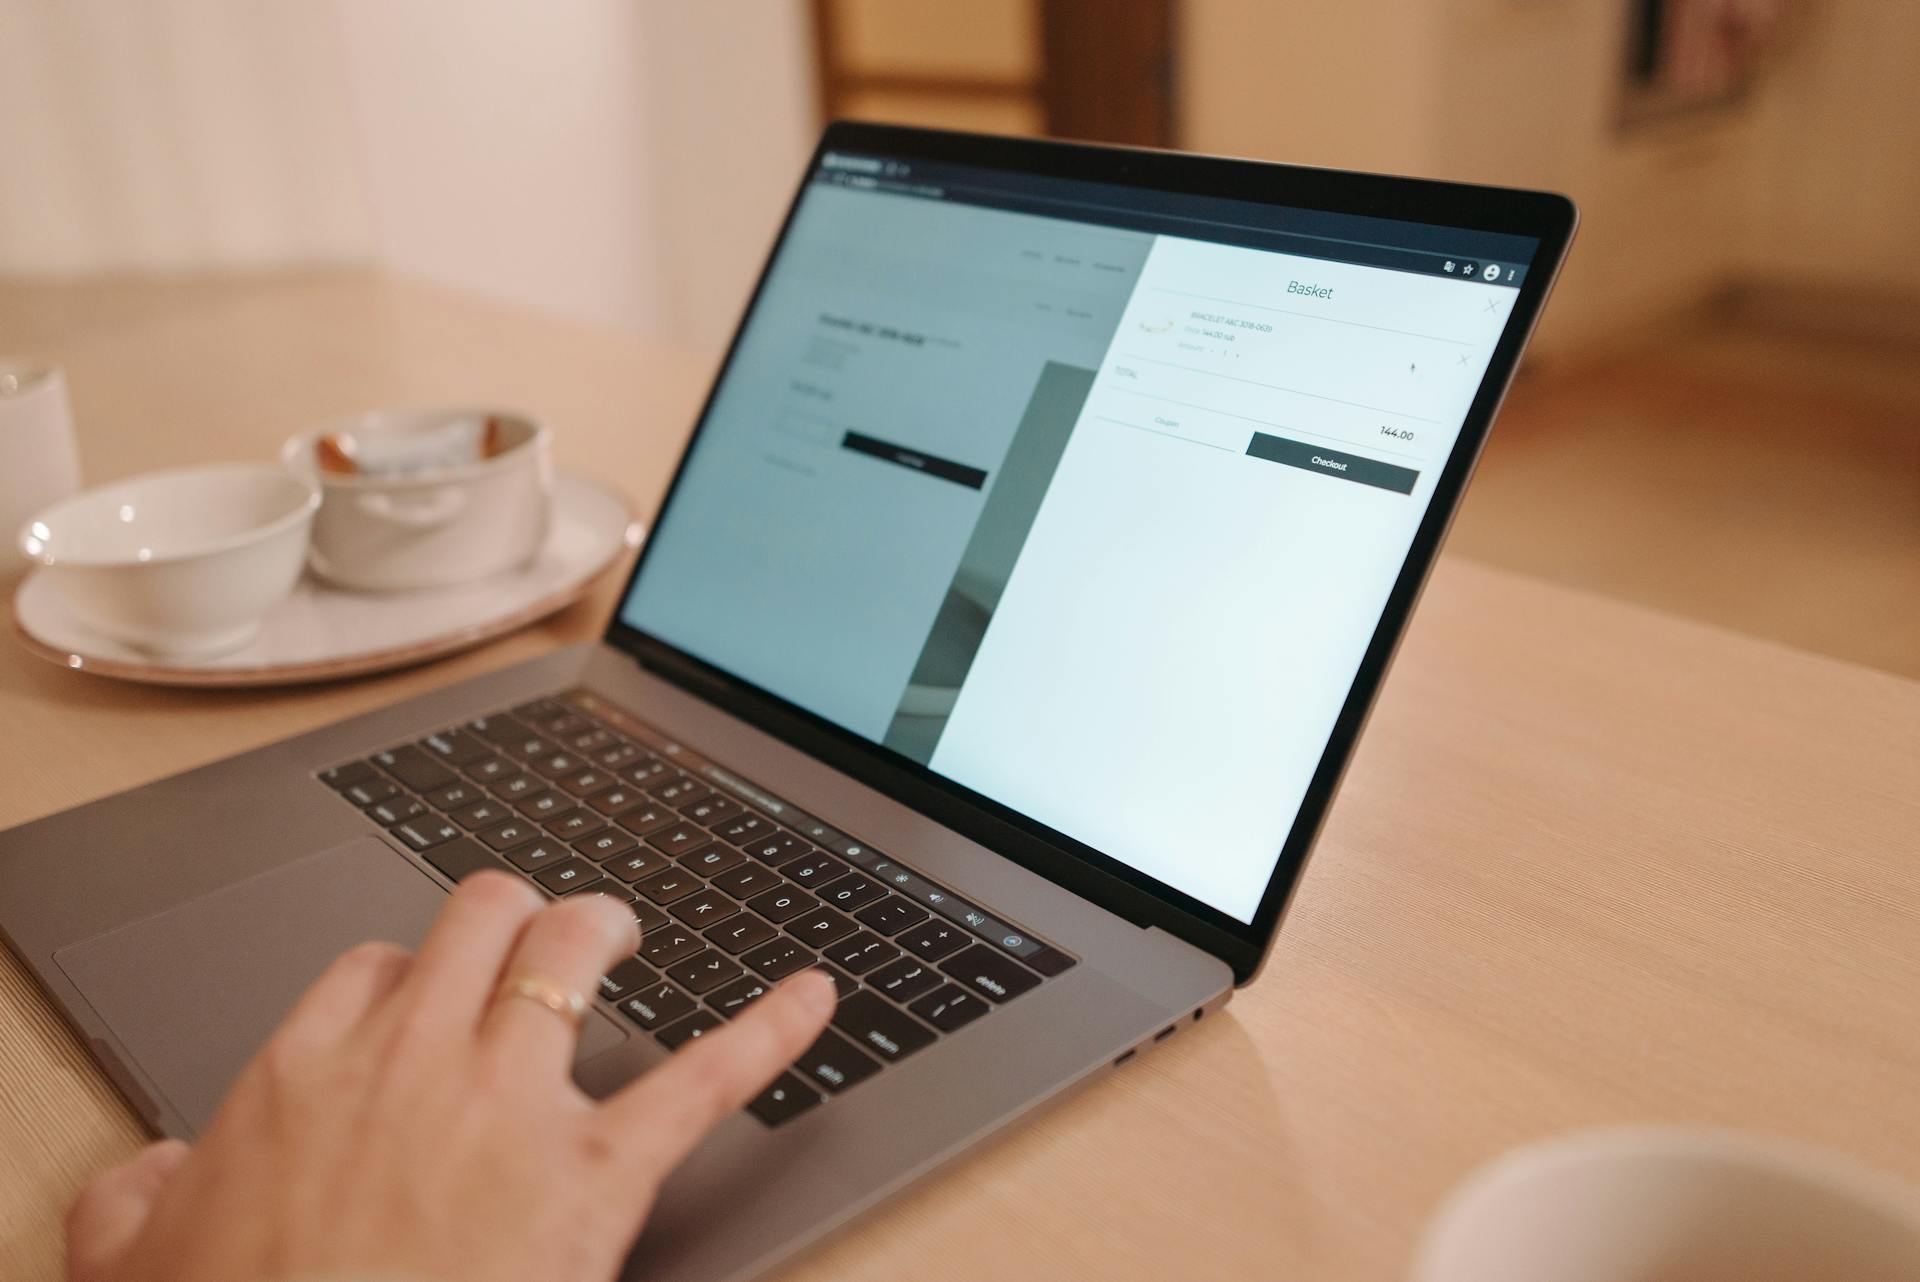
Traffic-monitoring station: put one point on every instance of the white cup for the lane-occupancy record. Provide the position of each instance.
(39, 460)
(422, 529)
(1658, 1204)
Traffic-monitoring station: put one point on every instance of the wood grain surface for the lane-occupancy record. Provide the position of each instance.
(1592, 864)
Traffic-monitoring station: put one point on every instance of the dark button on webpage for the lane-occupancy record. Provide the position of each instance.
(1348, 467)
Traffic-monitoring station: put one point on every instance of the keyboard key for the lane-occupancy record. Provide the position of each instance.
(488, 770)
(569, 874)
(781, 904)
(711, 810)
(545, 805)
(712, 859)
(398, 810)
(934, 940)
(705, 971)
(742, 829)
(608, 889)
(650, 918)
(590, 741)
(629, 976)
(682, 1031)
(461, 859)
(820, 927)
(833, 1062)
(679, 838)
(949, 1007)
(784, 1100)
(455, 747)
(991, 973)
(665, 887)
(587, 782)
(545, 708)
(602, 846)
(555, 765)
(481, 814)
(746, 881)
(612, 801)
(575, 824)
(739, 933)
(656, 1005)
(778, 958)
(647, 770)
(862, 952)
(731, 999)
(904, 979)
(414, 768)
(513, 832)
(635, 864)
(708, 908)
(843, 983)
(565, 725)
(425, 832)
(502, 729)
(346, 775)
(644, 821)
(880, 1028)
(535, 855)
(671, 943)
(816, 869)
(370, 791)
(455, 795)
(850, 893)
(679, 792)
(529, 748)
(617, 755)
(778, 849)
(890, 916)
(516, 788)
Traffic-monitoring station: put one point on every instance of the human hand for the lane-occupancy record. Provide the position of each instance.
(410, 1120)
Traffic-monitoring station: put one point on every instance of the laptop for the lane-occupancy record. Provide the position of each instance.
(998, 647)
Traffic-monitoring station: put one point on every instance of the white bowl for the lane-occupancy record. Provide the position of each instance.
(183, 563)
(1662, 1204)
(424, 529)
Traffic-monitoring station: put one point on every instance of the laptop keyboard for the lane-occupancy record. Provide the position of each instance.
(733, 888)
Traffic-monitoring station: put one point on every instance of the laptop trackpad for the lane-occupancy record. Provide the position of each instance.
(193, 992)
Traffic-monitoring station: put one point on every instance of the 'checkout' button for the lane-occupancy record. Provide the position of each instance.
(1348, 467)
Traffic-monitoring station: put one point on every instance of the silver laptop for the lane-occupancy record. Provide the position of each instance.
(998, 648)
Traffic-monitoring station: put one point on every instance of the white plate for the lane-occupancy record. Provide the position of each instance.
(321, 632)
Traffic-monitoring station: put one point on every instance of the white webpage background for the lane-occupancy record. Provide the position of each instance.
(1184, 623)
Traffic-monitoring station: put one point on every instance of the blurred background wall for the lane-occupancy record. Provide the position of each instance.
(1720, 413)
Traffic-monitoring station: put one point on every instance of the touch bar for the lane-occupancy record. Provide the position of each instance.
(1348, 467)
(946, 469)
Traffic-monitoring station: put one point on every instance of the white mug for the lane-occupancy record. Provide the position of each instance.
(39, 458)
(1663, 1204)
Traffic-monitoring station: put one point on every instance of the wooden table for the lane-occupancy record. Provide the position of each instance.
(1593, 864)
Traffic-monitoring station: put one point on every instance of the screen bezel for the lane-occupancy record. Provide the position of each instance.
(1547, 217)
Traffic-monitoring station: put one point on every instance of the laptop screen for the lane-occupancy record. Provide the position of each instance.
(1086, 497)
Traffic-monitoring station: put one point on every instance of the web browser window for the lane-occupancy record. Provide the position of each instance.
(1084, 498)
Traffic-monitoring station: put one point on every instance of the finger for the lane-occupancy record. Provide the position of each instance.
(660, 1117)
(109, 1213)
(569, 945)
(459, 962)
(357, 981)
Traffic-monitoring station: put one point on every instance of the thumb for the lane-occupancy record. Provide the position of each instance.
(110, 1211)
